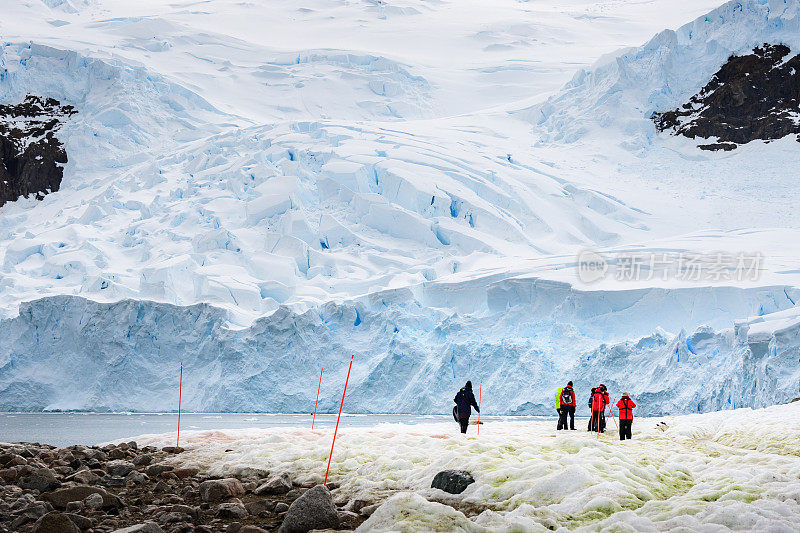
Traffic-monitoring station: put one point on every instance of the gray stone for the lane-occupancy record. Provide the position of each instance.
(231, 510)
(250, 529)
(120, 468)
(135, 478)
(61, 497)
(452, 481)
(313, 510)
(216, 490)
(172, 449)
(41, 479)
(55, 522)
(93, 501)
(259, 507)
(142, 460)
(86, 477)
(157, 470)
(281, 507)
(147, 527)
(275, 485)
(74, 506)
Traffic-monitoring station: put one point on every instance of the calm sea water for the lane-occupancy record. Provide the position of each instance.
(63, 429)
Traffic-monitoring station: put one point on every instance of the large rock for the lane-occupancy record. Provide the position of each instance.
(313, 510)
(233, 510)
(61, 497)
(275, 485)
(41, 479)
(147, 527)
(215, 490)
(452, 481)
(55, 522)
(120, 468)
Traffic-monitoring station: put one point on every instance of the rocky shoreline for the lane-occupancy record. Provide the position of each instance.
(124, 488)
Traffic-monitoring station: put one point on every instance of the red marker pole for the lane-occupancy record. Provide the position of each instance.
(317, 400)
(180, 390)
(337, 419)
(611, 411)
(480, 393)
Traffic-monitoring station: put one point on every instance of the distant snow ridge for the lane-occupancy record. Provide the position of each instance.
(414, 348)
(122, 110)
(254, 218)
(623, 91)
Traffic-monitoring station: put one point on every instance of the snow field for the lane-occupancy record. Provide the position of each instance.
(731, 471)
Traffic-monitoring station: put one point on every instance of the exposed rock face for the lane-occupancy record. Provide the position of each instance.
(312, 510)
(754, 96)
(39, 493)
(32, 157)
(452, 481)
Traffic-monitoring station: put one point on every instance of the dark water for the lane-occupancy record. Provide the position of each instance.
(63, 429)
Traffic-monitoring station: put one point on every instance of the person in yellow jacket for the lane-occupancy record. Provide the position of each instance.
(558, 406)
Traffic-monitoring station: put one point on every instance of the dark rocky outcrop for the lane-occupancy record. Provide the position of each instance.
(452, 481)
(313, 510)
(41, 491)
(753, 96)
(32, 157)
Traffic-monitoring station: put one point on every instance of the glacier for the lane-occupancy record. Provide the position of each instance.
(259, 204)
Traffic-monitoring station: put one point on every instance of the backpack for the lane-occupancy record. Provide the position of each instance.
(566, 397)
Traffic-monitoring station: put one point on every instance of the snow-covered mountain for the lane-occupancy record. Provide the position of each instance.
(259, 190)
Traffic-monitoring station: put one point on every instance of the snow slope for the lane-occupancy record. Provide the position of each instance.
(731, 471)
(258, 190)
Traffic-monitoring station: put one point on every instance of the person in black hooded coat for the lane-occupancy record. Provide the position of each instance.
(465, 401)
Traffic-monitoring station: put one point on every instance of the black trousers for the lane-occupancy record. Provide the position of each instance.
(598, 421)
(463, 421)
(625, 429)
(560, 419)
(564, 412)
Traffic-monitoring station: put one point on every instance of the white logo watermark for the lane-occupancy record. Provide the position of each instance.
(684, 266)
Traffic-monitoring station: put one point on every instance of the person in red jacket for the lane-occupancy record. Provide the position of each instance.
(600, 400)
(625, 406)
(567, 407)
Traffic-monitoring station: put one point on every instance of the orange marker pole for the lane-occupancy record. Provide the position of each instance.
(337, 419)
(317, 400)
(480, 393)
(180, 389)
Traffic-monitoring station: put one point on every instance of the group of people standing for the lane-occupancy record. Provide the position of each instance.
(565, 407)
(598, 401)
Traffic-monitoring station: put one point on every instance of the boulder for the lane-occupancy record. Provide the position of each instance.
(157, 470)
(259, 507)
(452, 481)
(61, 497)
(146, 527)
(41, 479)
(55, 522)
(93, 501)
(135, 478)
(275, 485)
(216, 490)
(234, 510)
(120, 468)
(183, 473)
(313, 510)
(86, 477)
(142, 460)
(172, 449)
